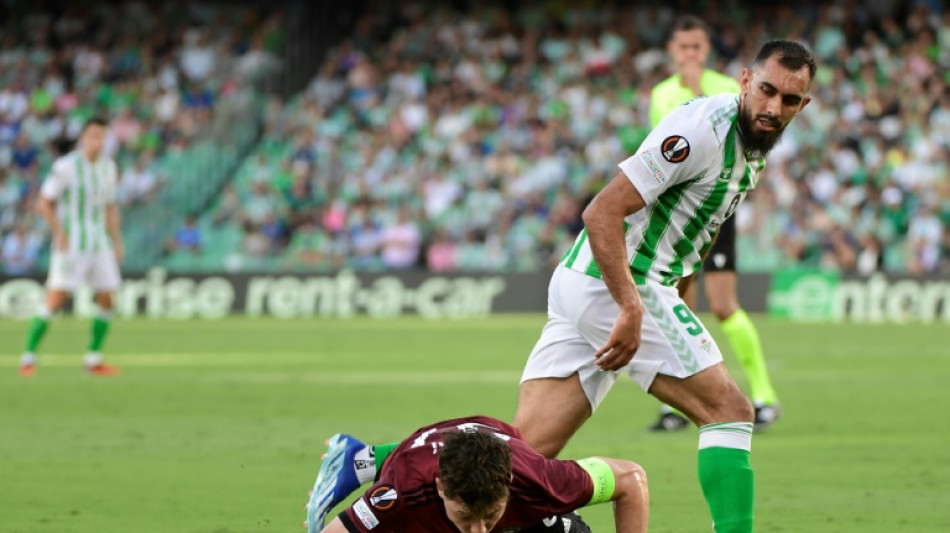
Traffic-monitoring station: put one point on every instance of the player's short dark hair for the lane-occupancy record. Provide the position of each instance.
(791, 55)
(475, 468)
(94, 121)
(689, 23)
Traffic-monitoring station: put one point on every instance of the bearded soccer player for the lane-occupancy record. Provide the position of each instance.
(477, 475)
(77, 200)
(613, 305)
(689, 47)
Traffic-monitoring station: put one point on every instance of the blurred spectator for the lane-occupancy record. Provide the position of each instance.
(187, 237)
(441, 256)
(366, 241)
(20, 250)
(229, 208)
(25, 155)
(138, 183)
(255, 243)
(261, 206)
(312, 247)
(401, 242)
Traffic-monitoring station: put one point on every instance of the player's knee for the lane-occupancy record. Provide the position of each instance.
(730, 407)
(740, 409)
(632, 474)
(723, 308)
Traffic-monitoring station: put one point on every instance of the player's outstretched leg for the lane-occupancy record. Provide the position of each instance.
(347, 464)
(713, 401)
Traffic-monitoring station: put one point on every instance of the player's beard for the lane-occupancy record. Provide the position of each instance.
(758, 142)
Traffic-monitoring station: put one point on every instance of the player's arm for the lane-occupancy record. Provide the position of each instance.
(603, 219)
(115, 233)
(625, 484)
(113, 227)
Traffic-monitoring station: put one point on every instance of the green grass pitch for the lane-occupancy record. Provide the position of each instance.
(219, 426)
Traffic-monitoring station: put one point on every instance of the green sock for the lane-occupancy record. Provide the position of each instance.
(726, 476)
(37, 329)
(745, 342)
(100, 327)
(382, 451)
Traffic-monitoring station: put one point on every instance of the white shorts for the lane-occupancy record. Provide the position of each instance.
(581, 314)
(70, 270)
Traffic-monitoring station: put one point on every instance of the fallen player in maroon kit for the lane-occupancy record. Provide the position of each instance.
(477, 475)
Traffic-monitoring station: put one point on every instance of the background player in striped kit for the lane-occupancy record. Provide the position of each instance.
(77, 200)
(689, 48)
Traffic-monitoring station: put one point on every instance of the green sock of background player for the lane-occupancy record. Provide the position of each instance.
(35, 334)
(99, 330)
(745, 342)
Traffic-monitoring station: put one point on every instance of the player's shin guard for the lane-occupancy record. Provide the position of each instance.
(100, 327)
(745, 342)
(726, 475)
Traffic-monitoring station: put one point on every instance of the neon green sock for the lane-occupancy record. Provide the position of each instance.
(382, 451)
(745, 342)
(100, 327)
(726, 476)
(37, 330)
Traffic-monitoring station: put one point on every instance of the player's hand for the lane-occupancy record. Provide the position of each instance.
(60, 241)
(690, 75)
(623, 342)
(119, 252)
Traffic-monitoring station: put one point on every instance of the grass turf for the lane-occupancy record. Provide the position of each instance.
(217, 426)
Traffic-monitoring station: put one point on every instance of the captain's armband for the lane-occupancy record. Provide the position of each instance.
(603, 478)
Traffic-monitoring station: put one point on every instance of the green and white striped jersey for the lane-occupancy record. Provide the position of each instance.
(692, 174)
(82, 190)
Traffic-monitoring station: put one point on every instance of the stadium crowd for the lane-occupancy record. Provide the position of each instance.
(155, 70)
(472, 140)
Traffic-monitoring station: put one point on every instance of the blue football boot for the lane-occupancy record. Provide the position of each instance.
(335, 481)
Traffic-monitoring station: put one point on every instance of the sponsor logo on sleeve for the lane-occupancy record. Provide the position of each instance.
(383, 498)
(651, 164)
(365, 515)
(675, 148)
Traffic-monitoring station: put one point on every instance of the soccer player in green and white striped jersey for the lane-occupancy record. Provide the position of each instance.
(689, 47)
(613, 304)
(77, 200)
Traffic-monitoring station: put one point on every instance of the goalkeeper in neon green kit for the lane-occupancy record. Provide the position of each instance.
(689, 47)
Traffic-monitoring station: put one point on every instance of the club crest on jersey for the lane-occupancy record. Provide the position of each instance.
(383, 498)
(675, 149)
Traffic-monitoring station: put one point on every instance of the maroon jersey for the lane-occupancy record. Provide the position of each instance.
(405, 498)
